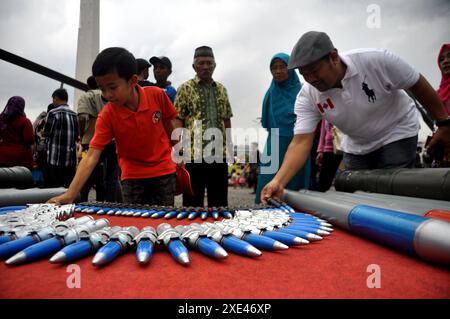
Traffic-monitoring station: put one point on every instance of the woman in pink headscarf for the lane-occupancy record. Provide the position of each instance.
(444, 87)
(16, 135)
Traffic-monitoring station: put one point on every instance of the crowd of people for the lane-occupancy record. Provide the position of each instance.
(352, 111)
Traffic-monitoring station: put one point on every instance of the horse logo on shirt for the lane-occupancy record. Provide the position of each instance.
(369, 92)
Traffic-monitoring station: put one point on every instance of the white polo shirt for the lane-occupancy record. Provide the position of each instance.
(371, 109)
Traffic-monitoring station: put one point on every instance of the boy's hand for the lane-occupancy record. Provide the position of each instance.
(180, 164)
(61, 199)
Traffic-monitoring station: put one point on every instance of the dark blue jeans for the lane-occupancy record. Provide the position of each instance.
(398, 154)
(152, 191)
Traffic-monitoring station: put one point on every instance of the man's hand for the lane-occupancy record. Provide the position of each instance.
(61, 199)
(428, 97)
(442, 136)
(319, 158)
(272, 189)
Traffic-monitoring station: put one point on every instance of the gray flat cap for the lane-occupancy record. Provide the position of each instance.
(312, 46)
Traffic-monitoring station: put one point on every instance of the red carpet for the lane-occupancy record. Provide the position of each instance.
(335, 267)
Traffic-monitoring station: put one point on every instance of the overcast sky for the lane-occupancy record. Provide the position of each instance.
(244, 34)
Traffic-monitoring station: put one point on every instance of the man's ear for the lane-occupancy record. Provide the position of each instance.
(193, 66)
(334, 56)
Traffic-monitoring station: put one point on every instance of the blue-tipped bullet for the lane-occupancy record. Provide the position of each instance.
(86, 246)
(145, 242)
(211, 248)
(137, 213)
(36, 251)
(302, 234)
(301, 216)
(111, 211)
(193, 214)
(6, 238)
(107, 253)
(239, 246)
(286, 238)
(10, 248)
(215, 214)
(227, 214)
(118, 243)
(259, 241)
(171, 239)
(171, 214)
(148, 213)
(313, 224)
(72, 252)
(263, 242)
(52, 245)
(94, 210)
(228, 241)
(178, 251)
(182, 214)
(144, 251)
(204, 214)
(310, 221)
(159, 214)
(199, 241)
(311, 229)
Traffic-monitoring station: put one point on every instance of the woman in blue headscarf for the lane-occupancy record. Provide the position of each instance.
(278, 113)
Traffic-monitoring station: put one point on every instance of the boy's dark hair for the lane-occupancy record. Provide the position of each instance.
(142, 64)
(50, 107)
(92, 83)
(61, 94)
(115, 59)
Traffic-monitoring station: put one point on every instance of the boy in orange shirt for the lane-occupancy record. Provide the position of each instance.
(141, 120)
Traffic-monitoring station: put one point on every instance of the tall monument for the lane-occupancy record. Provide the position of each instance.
(88, 41)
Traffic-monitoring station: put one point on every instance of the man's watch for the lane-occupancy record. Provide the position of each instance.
(442, 123)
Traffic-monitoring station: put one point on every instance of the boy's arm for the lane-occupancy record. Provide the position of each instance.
(84, 170)
(173, 131)
(170, 125)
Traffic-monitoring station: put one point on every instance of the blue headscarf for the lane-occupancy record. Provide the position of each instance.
(278, 104)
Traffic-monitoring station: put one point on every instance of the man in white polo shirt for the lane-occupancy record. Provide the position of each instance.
(362, 93)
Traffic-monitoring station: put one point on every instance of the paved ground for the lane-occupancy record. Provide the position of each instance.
(236, 196)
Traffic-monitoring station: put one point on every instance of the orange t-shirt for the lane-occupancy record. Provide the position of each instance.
(143, 147)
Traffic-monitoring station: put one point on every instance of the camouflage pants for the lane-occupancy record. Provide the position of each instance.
(152, 191)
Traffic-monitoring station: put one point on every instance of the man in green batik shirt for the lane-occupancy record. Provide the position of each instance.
(203, 99)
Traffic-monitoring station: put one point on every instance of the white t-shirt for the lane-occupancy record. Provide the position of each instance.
(371, 109)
